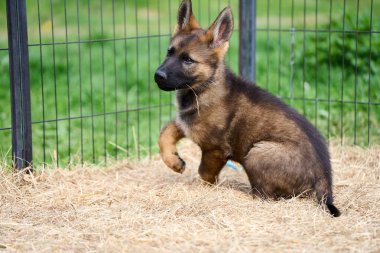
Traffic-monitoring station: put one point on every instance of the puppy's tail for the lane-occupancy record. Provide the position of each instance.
(333, 210)
(326, 199)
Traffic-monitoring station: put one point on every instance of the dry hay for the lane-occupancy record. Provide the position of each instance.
(145, 207)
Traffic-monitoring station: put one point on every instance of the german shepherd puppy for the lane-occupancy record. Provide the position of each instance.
(230, 118)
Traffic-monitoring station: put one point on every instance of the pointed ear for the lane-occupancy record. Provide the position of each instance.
(220, 31)
(185, 19)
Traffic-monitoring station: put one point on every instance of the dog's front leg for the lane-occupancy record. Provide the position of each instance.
(167, 141)
(211, 164)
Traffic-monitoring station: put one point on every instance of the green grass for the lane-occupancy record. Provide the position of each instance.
(92, 78)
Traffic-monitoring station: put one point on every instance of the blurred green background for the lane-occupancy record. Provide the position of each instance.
(92, 65)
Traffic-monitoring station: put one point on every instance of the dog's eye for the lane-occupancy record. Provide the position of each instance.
(170, 52)
(186, 59)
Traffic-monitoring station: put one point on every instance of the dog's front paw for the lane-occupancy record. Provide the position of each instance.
(209, 179)
(175, 162)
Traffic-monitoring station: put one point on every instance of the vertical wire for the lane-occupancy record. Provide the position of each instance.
(68, 84)
(279, 48)
(42, 86)
(316, 65)
(342, 85)
(80, 85)
(115, 75)
(104, 85)
(292, 39)
(329, 78)
(55, 83)
(209, 12)
(126, 78)
(267, 46)
(159, 61)
(304, 60)
(138, 79)
(149, 85)
(199, 12)
(170, 17)
(91, 84)
(356, 70)
(369, 80)
(229, 51)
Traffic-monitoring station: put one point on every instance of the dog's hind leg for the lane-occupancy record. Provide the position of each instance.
(167, 141)
(277, 170)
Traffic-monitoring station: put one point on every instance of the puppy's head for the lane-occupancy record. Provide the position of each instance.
(194, 54)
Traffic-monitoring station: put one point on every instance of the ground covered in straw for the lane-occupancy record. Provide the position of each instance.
(145, 207)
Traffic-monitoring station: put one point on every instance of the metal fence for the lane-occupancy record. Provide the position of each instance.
(90, 63)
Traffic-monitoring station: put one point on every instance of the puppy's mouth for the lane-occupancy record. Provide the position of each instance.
(166, 86)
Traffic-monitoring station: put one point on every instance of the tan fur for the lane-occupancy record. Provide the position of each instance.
(169, 137)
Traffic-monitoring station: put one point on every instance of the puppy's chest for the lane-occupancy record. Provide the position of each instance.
(188, 111)
(204, 128)
(202, 118)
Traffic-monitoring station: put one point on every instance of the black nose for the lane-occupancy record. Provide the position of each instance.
(160, 76)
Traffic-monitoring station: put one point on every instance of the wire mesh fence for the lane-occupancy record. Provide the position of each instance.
(91, 66)
(324, 55)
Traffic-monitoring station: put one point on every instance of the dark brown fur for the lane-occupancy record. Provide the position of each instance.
(230, 118)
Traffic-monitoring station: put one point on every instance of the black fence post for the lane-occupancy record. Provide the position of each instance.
(19, 80)
(247, 39)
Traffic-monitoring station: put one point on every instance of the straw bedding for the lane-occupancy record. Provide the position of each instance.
(145, 207)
